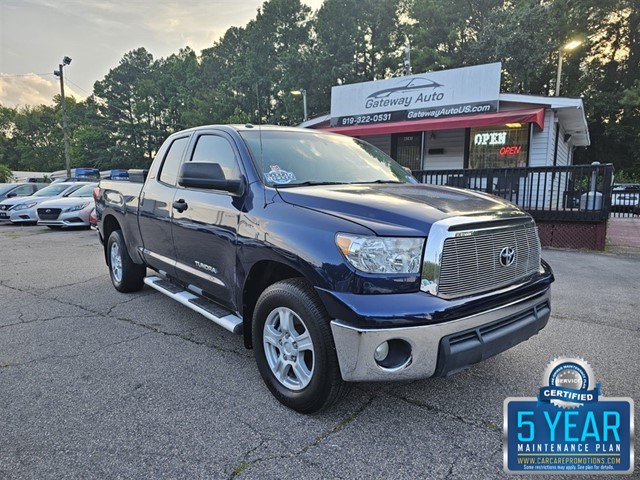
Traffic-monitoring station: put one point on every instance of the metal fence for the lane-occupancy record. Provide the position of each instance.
(625, 200)
(576, 193)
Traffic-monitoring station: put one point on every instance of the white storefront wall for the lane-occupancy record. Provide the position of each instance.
(450, 146)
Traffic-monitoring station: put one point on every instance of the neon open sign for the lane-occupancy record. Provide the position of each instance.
(510, 150)
(490, 138)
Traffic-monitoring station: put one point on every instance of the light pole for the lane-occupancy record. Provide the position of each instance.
(569, 46)
(59, 73)
(407, 59)
(302, 92)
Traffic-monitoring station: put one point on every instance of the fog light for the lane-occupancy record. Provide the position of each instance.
(381, 352)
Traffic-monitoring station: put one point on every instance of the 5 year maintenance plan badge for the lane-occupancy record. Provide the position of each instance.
(570, 428)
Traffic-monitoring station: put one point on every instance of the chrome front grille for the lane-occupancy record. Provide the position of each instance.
(469, 259)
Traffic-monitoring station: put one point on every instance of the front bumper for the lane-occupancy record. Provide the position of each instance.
(27, 215)
(4, 216)
(79, 218)
(438, 349)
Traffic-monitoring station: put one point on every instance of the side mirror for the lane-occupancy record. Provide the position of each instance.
(12, 194)
(208, 176)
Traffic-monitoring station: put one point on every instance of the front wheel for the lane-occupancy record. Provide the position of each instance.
(294, 348)
(126, 275)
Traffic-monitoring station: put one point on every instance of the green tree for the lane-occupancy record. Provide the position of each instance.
(610, 69)
(8, 154)
(38, 139)
(357, 40)
(444, 33)
(127, 108)
(5, 173)
(271, 61)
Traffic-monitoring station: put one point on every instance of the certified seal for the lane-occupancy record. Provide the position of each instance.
(569, 383)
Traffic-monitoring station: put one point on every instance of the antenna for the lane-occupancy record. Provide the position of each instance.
(262, 165)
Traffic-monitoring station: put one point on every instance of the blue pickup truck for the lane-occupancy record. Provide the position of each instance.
(327, 256)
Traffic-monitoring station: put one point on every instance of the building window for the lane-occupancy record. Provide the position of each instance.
(407, 150)
(499, 147)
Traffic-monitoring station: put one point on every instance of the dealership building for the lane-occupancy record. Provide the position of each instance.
(457, 119)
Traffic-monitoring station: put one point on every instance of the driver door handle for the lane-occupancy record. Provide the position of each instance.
(180, 205)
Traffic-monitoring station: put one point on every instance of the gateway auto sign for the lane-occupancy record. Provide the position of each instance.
(460, 91)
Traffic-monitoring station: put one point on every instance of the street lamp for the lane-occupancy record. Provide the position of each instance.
(302, 92)
(573, 44)
(59, 73)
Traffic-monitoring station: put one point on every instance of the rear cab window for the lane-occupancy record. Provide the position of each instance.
(172, 160)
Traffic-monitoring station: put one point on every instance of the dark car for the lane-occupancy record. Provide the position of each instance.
(413, 84)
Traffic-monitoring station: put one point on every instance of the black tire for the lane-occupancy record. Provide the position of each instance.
(126, 275)
(310, 379)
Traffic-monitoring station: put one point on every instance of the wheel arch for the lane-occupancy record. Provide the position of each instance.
(109, 224)
(262, 274)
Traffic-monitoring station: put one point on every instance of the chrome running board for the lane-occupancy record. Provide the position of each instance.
(214, 312)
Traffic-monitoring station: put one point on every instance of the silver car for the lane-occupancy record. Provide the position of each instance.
(72, 210)
(23, 210)
(12, 190)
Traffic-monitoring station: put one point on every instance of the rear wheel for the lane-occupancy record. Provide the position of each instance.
(294, 348)
(126, 275)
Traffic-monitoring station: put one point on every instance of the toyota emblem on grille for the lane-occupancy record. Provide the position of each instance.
(507, 256)
(48, 210)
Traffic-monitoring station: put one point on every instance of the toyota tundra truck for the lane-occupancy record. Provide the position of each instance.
(328, 257)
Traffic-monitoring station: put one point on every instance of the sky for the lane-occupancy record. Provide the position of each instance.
(36, 34)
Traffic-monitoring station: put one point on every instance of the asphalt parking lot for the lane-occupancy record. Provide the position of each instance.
(98, 384)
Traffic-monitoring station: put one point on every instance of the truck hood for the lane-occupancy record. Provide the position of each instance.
(397, 209)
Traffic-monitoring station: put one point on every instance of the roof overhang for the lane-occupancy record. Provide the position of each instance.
(569, 112)
(531, 115)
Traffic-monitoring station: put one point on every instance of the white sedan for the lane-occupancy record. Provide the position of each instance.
(70, 211)
(22, 210)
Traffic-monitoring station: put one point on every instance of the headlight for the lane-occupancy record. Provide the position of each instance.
(77, 207)
(382, 254)
(24, 206)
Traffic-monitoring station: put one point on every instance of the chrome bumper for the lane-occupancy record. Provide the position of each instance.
(517, 321)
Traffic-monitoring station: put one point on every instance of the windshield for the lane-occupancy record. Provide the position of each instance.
(86, 191)
(288, 158)
(4, 188)
(52, 190)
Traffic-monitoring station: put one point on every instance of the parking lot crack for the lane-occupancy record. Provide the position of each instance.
(592, 321)
(342, 424)
(3, 283)
(36, 320)
(436, 410)
(77, 355)
(450, 472)
(246, 463)
(181, 335)
(76, 283)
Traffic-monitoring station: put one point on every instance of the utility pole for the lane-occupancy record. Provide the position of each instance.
(60, 73)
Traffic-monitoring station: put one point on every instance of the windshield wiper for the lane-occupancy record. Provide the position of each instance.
(308, 183)
(378, 181)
